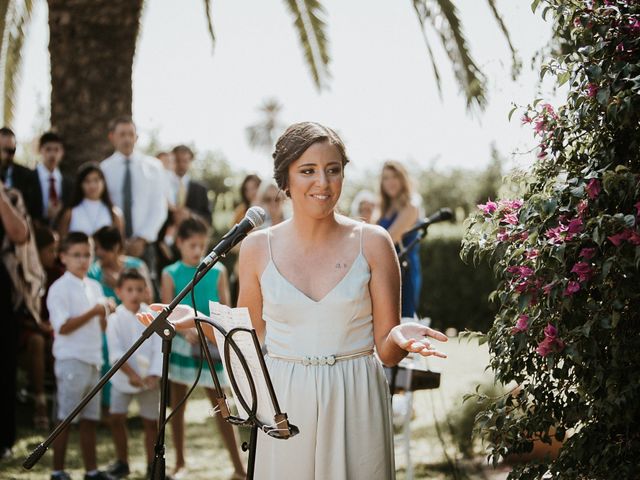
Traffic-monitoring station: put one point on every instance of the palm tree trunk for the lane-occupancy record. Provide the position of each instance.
(91, 44)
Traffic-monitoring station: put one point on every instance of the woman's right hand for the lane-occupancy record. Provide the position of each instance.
(182, 316)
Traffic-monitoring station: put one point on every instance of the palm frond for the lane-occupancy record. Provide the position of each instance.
(516, 63)
(432, 58)
(4, 8)
(443, 17)
(207, 9)
(13, 57)
(308, 20)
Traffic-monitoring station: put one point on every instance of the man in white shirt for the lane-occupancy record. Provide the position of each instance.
(55, 189)
(137, 185)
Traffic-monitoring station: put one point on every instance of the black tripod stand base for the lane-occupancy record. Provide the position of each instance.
(35, 456)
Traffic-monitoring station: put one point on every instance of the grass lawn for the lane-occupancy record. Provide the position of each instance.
(207, 458)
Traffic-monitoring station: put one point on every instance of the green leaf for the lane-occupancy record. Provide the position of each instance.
(534, 5)
(603, 96)
(615, 318)
(563, 78)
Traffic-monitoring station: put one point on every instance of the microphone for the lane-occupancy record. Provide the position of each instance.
(254, 217)
(441, 215)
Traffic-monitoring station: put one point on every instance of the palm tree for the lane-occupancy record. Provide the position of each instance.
(263, 135)
(92, 44)
(14, 18)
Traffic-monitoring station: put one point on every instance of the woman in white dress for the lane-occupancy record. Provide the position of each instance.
(90, 208)
(323, 291)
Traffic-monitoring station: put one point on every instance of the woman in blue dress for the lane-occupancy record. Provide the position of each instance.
(400, 212)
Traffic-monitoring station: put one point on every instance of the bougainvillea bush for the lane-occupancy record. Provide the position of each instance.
(567, 257)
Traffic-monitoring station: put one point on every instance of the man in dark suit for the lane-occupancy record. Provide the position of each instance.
(187, 197)
(189, 194)
(54, 190)
(17, 176)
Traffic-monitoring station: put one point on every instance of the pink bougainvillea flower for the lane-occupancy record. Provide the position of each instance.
(574, 226)
(637, 206)
(510, 218)
(539, 126)
(503, 236)
(593, 188)
(522, 287)
(592, 90)
(549, 345)
(620, 47)
(634, 238)
(556, 234)
(550, 331)
(526, 119)
(511, 205)
(489, 207)
(634, 24)
(545, 347)
(521, 271)
(572, 287)
(587, 253)
(583, 270)
(551, 342)
(548, 108)
(521, 325)
(582, 207)
(620, 237)
(526, 272)
(531, 254)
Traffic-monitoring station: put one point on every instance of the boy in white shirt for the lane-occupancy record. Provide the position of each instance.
(139, 376)
(77, 311)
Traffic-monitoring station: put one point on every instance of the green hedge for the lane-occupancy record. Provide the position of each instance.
(454, 294)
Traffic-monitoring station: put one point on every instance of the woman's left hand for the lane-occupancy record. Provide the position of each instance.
(182, 316)
(411, 337)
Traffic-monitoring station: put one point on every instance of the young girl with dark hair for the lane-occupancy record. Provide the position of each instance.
(90, 207)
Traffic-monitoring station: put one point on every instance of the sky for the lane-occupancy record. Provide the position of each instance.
(382, 96)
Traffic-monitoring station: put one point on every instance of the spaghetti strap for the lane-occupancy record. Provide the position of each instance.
(361, 234)
(269, 243)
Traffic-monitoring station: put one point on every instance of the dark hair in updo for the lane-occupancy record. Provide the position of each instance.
(295, 141)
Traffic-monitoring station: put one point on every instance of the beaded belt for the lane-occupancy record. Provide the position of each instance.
(328, 360)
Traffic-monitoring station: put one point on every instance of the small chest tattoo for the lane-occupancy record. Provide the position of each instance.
(341, 265)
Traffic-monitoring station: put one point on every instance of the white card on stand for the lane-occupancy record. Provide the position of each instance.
(230, 318)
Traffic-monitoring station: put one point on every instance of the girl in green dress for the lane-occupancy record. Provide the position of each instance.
(183, 365)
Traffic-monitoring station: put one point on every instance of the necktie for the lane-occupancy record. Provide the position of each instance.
(181, 199)
(53, 195)
(127, 199)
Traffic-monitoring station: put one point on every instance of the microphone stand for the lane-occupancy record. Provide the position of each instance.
(404, 265)
(161, 326)
(284, 429)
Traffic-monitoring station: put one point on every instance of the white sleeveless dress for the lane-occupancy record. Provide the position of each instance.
(343, 410)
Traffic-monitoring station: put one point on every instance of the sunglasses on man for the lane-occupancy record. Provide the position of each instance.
(9, 150)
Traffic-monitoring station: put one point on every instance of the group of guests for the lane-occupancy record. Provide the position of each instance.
(81, 256)
(117, 236)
